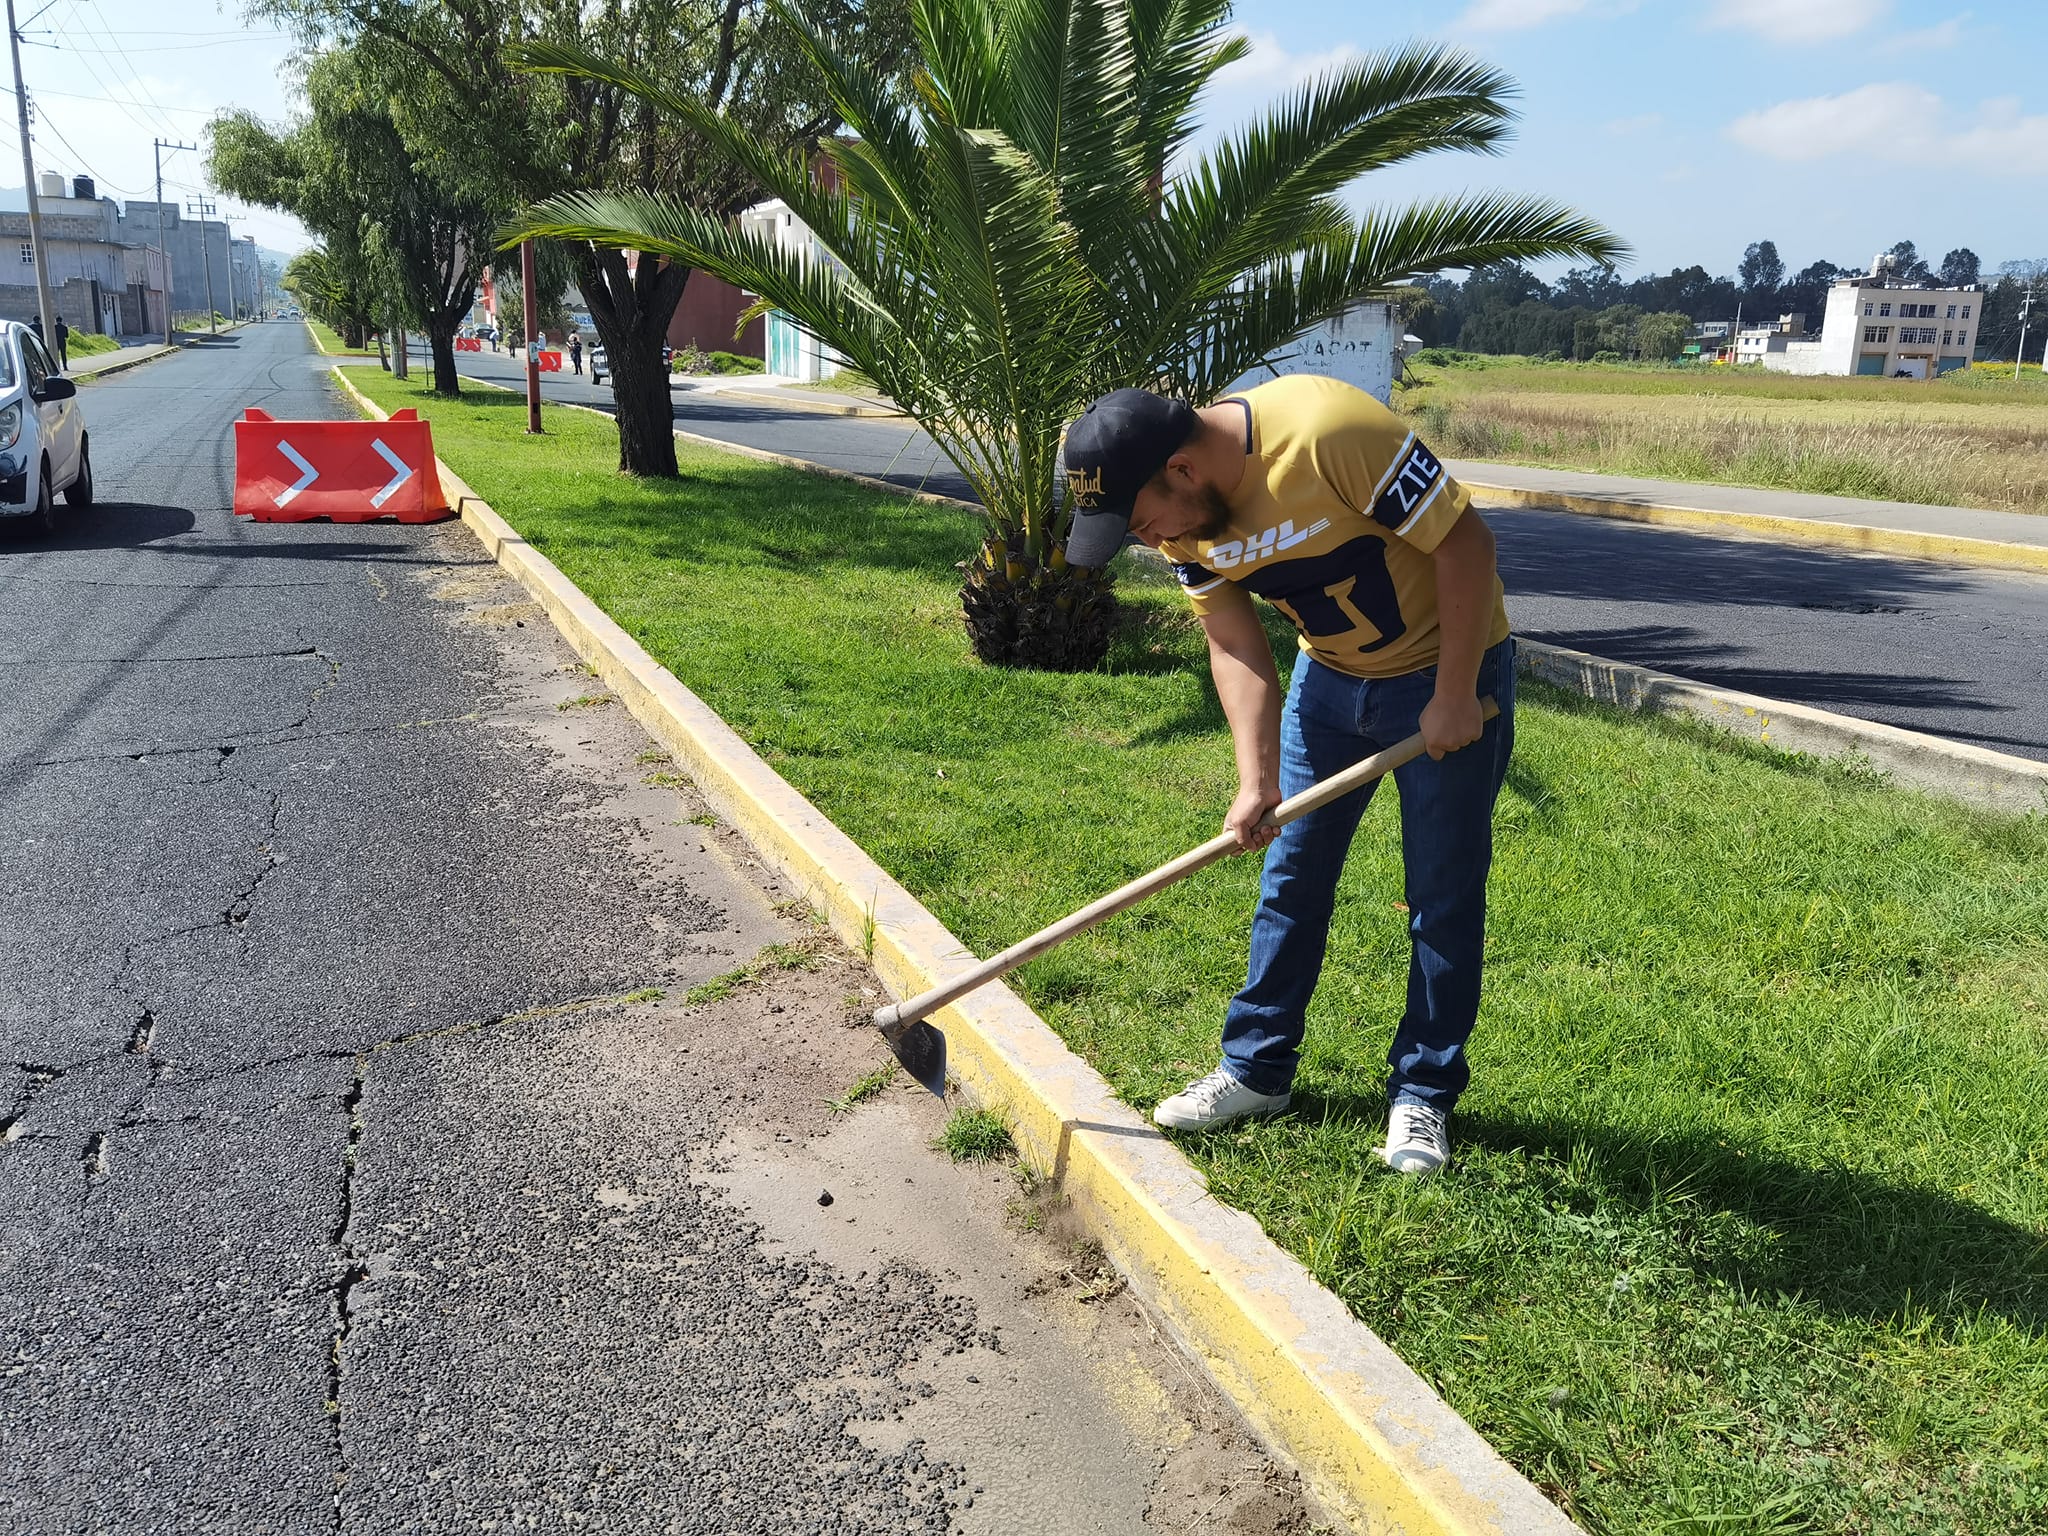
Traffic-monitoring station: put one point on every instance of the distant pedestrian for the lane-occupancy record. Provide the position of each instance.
(63, 344)
(575, 353)
(492, 332)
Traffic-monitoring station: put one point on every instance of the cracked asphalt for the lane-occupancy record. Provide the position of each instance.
(365, 1163)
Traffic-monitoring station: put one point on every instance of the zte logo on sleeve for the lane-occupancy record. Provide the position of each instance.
(1244, 551)
(1409, 488)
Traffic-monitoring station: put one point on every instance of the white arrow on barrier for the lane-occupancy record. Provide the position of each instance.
(307, 473)
(404, 472)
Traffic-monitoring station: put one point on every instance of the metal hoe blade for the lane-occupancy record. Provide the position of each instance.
(921, 1048)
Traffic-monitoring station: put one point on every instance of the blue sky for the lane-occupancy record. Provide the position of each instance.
(1692, 127)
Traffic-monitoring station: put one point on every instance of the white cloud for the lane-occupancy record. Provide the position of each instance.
(1271, 69)
(1943, 34)
(1901, 121)
(1513, 15)
(1797, 21)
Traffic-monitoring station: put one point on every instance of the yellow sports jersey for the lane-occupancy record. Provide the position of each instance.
(1334, 523)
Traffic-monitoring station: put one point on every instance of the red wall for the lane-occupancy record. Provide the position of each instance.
(705, 318)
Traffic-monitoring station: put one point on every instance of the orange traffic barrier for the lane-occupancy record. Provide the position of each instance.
(347, 471)
(550, 362)
(469, 343)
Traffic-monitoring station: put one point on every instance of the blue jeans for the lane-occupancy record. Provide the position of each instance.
(1331, 721)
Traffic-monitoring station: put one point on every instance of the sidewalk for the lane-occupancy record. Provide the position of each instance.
(758, 389)
(113, 362)
(1967, 535)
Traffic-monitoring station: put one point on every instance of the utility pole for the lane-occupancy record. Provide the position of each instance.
(28, 173)
(162, 249)
(204, 207)
(529, 312)
(2019, 352)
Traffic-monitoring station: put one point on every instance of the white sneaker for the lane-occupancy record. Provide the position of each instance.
(1418, 1138)
(1215, 1100)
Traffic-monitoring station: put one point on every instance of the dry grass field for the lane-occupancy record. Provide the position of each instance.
(1979, 440)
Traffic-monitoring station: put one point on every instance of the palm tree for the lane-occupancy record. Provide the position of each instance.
(1024, 224)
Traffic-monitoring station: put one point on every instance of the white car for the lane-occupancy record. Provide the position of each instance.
(44, 447)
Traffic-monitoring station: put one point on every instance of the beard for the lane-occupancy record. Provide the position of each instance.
(1215, 513)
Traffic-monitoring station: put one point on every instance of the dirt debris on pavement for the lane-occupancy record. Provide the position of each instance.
(903, 1354)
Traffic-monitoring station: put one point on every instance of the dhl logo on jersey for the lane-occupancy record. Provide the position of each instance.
(1224, 557)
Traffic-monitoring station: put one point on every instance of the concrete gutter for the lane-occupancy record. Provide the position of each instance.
(1976, 775)
(1372, 1439)
(1914, 544)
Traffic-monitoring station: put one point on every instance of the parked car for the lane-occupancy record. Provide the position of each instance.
(44, 446)
(600, 365)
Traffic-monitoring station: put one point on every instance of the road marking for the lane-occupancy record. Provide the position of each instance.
(307, 473)
(404, 472)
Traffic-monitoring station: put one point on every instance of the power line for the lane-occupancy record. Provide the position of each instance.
(107, 31)
(225, 42)
(130, 110)
(97, 179)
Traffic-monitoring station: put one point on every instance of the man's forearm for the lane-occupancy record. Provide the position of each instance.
(1250, 694)
(1465, 579)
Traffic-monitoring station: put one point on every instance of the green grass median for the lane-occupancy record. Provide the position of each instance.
(1748, 1227)
(331, 343)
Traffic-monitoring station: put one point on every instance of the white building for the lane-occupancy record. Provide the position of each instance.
(791, 351)
(1882, 329)
(1756, 343)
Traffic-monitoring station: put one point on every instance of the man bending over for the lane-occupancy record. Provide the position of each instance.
(1311, 494)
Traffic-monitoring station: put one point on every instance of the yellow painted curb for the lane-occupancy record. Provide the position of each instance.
(1376, 1444)
(1949, 549)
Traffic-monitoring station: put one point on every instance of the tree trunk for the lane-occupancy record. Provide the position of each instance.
(647, 440)
(441, 338)
(631, 311)
(352, 336)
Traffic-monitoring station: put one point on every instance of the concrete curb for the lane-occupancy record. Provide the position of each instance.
(814, 407)
(1976, 775)
(321, 346)
(1372, 1439)
(767, 456)
(122, 364)
(1948, 549)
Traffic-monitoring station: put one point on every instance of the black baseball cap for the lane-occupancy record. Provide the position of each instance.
(1118, 444)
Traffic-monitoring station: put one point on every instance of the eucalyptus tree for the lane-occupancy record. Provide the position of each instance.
(1028, 221)
(384, 169)
(536, 138)
(331, 290)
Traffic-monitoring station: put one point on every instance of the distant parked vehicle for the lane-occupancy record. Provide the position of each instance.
(44, 447)
(600, 364)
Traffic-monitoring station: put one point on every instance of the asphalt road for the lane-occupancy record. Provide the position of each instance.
(363, 1165)
(1958, 653)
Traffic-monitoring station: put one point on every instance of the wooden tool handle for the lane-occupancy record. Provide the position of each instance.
(1223, 844)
